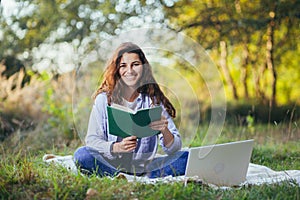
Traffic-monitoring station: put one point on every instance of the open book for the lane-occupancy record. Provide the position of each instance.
(124, 122)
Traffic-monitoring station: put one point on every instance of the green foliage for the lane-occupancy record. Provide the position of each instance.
(82, 23)
(60, 113)
(244, 26)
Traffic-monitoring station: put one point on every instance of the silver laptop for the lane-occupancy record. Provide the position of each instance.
(220, 164)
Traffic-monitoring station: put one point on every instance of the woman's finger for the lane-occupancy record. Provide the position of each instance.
(130, 138)
(159, 125)
(129, 143)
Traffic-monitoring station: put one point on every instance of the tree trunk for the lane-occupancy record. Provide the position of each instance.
(223, 63)
(244, 75)
(270, 57)
(245, 56)
(257, 77)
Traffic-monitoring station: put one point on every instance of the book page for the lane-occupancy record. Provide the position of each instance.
(124, 108)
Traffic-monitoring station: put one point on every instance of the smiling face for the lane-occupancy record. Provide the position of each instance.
(131, 69)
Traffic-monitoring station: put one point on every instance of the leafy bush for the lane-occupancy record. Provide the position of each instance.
(43, 100)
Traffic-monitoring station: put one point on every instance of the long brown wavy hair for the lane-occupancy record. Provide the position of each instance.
(112, 85)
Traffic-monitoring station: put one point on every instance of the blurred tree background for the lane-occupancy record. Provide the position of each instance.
(42, 43)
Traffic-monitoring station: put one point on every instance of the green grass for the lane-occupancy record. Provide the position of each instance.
(24, 175)
(29, 178)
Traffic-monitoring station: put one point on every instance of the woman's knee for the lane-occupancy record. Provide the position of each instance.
(82, 155)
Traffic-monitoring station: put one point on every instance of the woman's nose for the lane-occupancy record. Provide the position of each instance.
(129, 68)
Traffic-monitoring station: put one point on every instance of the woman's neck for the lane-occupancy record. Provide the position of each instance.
(130, 94)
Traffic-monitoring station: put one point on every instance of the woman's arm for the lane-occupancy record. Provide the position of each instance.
(170, 137)
(97, 136)
(162, 126)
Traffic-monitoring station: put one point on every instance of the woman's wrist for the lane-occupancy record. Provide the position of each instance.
(114, 147)
(168, 137)
(165, 130)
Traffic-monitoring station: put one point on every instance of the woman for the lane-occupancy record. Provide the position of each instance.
(128, 81)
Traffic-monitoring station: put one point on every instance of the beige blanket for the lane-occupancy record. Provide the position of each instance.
(256, 175)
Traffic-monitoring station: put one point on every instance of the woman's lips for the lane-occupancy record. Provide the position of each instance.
(129, 77)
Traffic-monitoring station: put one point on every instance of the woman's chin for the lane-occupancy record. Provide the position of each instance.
(131, 83)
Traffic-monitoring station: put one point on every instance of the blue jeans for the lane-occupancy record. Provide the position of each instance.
(90, 161)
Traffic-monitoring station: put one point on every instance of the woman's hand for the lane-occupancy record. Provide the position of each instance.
(162, 126)
(128, 144)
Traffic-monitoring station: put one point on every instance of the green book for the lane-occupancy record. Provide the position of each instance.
(124, 122)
